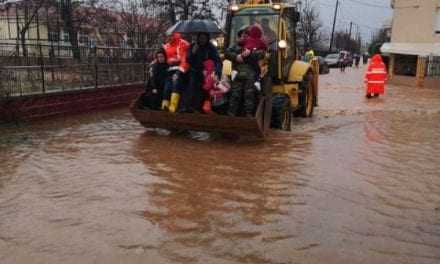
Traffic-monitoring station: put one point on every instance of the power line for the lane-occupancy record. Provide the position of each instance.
(370, 4)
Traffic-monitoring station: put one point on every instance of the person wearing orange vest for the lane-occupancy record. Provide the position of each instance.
(375, 77)
(176, 52)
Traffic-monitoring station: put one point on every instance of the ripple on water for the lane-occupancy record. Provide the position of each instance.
(359, 183)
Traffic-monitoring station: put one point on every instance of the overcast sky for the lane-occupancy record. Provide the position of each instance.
(367, 15)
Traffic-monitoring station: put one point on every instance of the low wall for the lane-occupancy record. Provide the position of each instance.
(41, 106)
(403, 80)
(432, 83)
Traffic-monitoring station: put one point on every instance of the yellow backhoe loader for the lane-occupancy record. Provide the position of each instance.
(289, 86)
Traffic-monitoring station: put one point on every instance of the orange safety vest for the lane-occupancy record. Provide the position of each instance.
(177, 50)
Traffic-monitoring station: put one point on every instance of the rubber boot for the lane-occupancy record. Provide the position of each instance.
(165, 105)
(174, 104)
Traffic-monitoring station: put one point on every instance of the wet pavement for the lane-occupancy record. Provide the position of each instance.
(357, 183)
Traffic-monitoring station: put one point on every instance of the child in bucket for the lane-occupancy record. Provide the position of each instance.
(214, 99)
(218, 96)
(255, 43)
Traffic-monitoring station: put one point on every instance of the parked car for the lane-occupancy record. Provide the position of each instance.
(323, 66)
(332, 59)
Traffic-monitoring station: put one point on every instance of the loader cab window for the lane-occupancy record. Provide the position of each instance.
(267, 18)
(290, 38)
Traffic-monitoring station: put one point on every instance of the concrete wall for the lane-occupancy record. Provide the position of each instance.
(411, 82)
(28, 108)
(415, 21)
(433, 83)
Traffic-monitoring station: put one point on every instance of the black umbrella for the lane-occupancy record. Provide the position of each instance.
(195, 26)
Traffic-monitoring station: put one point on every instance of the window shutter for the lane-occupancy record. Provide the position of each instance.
(437, 21)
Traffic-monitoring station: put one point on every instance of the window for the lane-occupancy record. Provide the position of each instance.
(437, 21)
(269, 23)
(54, 36)
(66, 37)
(291, 28)
(433, 69)
(83, 38)
(405, 65)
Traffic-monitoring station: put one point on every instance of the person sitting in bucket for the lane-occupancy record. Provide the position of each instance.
(201, 51)
(244, 76)
(216, 102)
(176, 52)
(155, 86)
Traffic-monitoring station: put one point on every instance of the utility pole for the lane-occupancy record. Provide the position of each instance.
(351, 26)
(334, 24)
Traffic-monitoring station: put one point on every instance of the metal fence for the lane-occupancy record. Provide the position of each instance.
(40, 52)
(11, 55)
(44, 72)
(31, 80)
(433, 69)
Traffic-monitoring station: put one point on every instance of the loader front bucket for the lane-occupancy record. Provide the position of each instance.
(203, 122)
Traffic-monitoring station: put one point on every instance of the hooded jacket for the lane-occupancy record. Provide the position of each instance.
(206, 52)
(177, 51)
(209, 67)
(376, 75)
(255, 40)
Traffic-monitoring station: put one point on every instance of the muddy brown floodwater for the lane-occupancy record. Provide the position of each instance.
(358, 183)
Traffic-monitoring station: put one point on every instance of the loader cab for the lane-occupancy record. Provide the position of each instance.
(279, 26)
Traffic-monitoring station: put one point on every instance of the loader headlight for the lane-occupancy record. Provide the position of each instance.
(277, 7)
(234, 8)
(282, 44)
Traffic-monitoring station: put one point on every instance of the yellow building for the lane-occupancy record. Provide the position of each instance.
(40, 39)
(415, 43)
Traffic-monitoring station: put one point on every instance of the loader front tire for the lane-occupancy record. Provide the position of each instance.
(281, 112)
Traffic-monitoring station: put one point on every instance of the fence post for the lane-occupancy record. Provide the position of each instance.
(96, 74)
(145, 65)
(43, 83)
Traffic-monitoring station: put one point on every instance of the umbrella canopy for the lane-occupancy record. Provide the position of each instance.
(173, 28)
(195, 26)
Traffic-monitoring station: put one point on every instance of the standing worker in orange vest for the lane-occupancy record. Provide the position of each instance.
(375, 77)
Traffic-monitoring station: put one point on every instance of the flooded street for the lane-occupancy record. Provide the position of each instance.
(358, 183)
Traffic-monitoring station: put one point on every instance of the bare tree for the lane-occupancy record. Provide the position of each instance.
(189, 9)
(310, 27)
(380, 36)
(343, 41)
(27, 14)
(142, 22)
(76, 14)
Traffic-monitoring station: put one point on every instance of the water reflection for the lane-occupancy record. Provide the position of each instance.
(212, 196)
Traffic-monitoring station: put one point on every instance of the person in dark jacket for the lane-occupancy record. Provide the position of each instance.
(199, 52)
(243, 77)
(158, 75)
